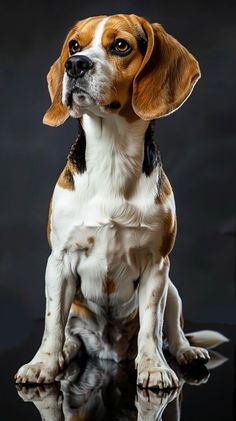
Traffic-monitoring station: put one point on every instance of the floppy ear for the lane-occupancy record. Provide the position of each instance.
(166, 77)
(57, 113)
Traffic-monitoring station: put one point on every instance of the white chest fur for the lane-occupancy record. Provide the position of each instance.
(109, 225)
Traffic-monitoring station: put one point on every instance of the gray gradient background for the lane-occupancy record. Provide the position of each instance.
(196, 144)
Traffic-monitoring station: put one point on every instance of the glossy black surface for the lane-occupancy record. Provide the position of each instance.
(103, 390)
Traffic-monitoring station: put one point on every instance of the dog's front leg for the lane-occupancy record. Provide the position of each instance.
(152, 368)
(60, 291)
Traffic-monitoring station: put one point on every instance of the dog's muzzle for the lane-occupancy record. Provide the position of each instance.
(77, 66)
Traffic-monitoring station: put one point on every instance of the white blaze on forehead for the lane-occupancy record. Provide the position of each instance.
(95, 49)
(97, 41)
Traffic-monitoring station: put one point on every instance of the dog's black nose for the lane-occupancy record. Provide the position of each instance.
(77, 66)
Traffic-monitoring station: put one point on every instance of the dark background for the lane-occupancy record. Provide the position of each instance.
(196, 144)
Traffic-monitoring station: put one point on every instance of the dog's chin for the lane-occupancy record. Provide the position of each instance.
(83, 103)
(78, 102)
(80, 98)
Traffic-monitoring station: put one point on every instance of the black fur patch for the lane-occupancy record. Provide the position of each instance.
(152, 156)
(114, 105)
(142, 44)
(77, 152)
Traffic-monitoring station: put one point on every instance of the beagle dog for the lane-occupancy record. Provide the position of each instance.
(112, 221)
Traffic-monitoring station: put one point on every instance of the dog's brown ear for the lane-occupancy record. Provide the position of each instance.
(57, 113)
(166, 76)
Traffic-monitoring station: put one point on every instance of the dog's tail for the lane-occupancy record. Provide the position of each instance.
(206, 338)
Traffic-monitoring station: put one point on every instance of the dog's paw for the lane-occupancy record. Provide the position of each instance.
(155, 374)
(192, 354)
(38, 393)
(44, 369)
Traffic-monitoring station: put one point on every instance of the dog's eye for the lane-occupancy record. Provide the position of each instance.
(121, 47)
(73, 46)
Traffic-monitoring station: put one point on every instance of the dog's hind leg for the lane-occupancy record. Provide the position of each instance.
(179, 346)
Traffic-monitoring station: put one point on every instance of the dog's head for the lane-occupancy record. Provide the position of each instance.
(119, 64)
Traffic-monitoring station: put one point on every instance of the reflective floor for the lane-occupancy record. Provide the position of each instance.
(103, 390)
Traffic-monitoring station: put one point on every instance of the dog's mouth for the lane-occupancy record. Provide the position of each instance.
(78, 95)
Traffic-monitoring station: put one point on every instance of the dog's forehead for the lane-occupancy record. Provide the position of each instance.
(126, 23)
(89, 29)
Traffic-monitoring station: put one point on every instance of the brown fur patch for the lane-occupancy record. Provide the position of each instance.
(166, 77)
(128, 113)
(169, 235)
(66, 179)
(81, 310)
(165, 189)
(108, 286)
(91, 240)
(49, 223)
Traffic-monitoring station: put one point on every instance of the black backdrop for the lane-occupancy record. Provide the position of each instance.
(196, 144)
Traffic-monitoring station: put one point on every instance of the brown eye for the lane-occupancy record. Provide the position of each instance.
(121, 47)
(73, 46)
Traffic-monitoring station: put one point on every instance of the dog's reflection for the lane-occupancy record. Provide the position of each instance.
(104, 390)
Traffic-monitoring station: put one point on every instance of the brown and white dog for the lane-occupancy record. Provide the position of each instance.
(112, 221)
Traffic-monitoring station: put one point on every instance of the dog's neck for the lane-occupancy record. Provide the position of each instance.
(114, 135)
(114, 152)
